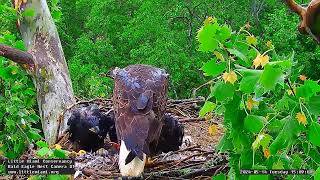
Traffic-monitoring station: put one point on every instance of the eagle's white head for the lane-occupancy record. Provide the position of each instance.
(135, 167)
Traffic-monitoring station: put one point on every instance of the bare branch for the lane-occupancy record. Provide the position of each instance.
(296, 7)
(16, 55)
(183, 18)
(195, 7)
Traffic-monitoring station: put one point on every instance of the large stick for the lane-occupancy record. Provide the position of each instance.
(296, 7)
(16, 55)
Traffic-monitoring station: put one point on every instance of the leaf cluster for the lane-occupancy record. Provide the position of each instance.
(44, 151)
(270, 114)
(19, 122)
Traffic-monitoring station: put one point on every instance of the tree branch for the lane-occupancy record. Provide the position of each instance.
(296, 7)
(16, 55)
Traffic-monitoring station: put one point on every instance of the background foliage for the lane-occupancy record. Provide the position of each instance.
(99, 35)
(18, 112)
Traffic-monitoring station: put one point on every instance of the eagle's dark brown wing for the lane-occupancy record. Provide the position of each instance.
(140, 97)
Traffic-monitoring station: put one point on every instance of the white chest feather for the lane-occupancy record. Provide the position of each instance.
(132, 169)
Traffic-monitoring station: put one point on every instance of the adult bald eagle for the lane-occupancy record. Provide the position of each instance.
(140, 98)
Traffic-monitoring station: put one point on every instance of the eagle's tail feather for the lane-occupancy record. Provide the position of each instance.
(130, 157)
(129, 162)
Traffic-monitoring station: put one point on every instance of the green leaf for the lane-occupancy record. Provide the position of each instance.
(41, 144)
(254, 123)
(314, 105)
(219, 55)
(317, 173)
(220, 109)
(2, 169)
(224, 33)
(20, 45)
(212, 68)
(9, 37)
(259, 91)
(206, 32)
(224, 144)
(278, 165)
(34, 117)
(54, 2)
(209, 45)
(43, 151)
(18, 147)
(314, 134)
(261, 140)
(275, 126)
(270, 77)
(29, 91)
(29, 12)
(240, 141)
(56, 15)
(285, 137)
(59, 153)
(283, 103)
(32, 134)
(283, 64)
(5, 73)
(219, 177)
(246, 159)
(206, 38)
(286, 103)
(249, 80)
(207, 107)
(10, 123)
(237, 53)
(57, 177)
(309, 89)
(232, 174)
(297, 161)
(233, 114)
(10, 155)
(221, 91)
(252, 40)
(311, 151)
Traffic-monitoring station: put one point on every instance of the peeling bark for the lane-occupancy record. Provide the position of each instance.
(51, 75)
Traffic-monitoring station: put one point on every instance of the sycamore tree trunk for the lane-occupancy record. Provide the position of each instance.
(46, 63)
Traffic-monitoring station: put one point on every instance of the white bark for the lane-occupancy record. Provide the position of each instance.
(51, 75)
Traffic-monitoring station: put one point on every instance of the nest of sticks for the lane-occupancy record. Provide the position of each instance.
(196, 159)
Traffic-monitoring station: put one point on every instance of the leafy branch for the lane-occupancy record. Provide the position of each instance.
(261, 114)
